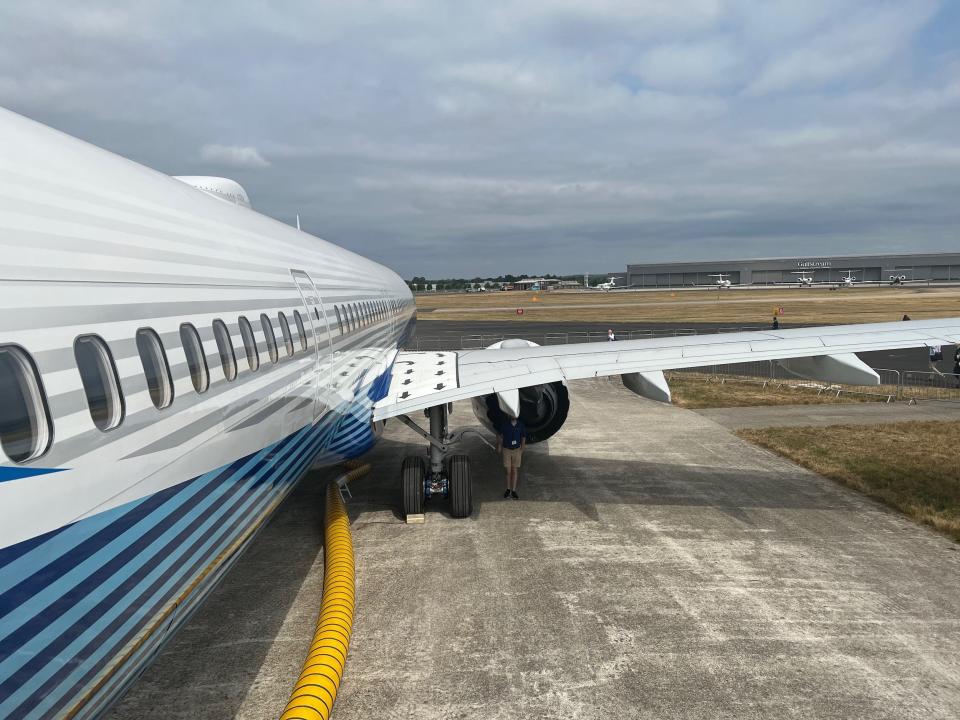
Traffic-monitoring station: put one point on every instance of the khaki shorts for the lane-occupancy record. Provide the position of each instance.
(511, 457)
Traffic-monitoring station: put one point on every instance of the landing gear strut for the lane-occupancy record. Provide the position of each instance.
(444, 474)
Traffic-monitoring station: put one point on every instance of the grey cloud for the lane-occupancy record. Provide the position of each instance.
(236, 156)
(458, 139)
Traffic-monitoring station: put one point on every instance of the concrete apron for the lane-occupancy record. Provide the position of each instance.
(655, 566)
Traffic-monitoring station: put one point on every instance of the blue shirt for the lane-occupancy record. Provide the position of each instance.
(513, 435)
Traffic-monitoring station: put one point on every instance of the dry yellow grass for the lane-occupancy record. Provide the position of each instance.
(801, 305)
(697, 391)
(913, 467)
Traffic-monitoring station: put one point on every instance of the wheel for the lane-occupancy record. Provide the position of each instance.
(461, 489)
(412, 473)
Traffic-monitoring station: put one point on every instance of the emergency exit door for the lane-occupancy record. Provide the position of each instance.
(323, 349)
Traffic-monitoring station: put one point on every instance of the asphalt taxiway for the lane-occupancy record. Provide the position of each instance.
(656, 566)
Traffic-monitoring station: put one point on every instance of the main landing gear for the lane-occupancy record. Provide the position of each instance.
(441, 474)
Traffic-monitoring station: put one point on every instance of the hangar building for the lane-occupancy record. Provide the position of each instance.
(937, 267)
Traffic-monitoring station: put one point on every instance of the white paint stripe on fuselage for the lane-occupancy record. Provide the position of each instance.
(228, 261)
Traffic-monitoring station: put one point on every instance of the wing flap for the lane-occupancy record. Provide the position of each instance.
(472, 373)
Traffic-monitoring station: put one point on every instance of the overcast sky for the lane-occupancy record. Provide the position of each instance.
(462, 139)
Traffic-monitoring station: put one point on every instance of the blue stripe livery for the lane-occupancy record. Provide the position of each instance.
(74, 600)
(17, 473)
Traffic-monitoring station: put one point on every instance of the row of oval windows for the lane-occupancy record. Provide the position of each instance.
(353, 316)
(26, 429)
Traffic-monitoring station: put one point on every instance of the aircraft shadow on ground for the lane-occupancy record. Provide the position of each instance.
(587, 483)
(232, 633)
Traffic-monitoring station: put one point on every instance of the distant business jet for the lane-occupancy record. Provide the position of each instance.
(849, 279)
(804, 279)
(171, 364)
(722, 282)
(609, 285)
(897, 280)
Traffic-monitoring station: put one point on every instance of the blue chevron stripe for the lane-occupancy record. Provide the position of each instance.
(101, 554)
(55, 619)
(18, 473)
(100, 643)
(72, 599)
(70, 627)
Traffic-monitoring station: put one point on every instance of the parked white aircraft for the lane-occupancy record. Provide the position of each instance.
(722, 281)
(610, 284)
(903, 280)
(171, 363)
(849, 280)
(803, 278)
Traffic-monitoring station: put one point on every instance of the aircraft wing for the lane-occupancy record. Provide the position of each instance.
(424, 379)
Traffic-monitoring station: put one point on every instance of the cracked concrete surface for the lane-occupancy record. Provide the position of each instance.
(655, 567)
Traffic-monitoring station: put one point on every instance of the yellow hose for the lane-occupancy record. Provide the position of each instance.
(316, 688)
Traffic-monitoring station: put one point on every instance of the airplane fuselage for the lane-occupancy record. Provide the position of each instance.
(233, 353)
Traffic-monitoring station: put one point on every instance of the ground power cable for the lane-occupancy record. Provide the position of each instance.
(315, 691)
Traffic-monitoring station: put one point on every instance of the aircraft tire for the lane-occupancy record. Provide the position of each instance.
(461, 487)
(412, 473)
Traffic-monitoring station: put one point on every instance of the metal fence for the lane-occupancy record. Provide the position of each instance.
(909, 386)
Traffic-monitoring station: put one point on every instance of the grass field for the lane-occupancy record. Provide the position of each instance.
(913, 467)
(697, 392)
(801, 305)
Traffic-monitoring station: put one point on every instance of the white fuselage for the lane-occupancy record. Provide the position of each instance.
(108, 538)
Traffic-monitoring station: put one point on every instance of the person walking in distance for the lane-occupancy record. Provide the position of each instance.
(512, 440)
(610, 336)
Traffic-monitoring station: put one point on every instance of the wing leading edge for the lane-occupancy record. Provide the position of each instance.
(424, 379)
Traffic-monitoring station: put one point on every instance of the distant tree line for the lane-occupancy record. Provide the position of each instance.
(422, 283)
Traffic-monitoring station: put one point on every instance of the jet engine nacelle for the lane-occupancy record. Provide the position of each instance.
(542, 408)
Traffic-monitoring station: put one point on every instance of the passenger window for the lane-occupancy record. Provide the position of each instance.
(271, 338)
(101, 384)
(225, 347)
(196, 359)
(249, 344)
(336, 311)
(285, 329)
(301, 331)
(155, 367)
(25, 427)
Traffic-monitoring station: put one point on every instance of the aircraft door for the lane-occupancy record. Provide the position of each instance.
(322, 343)
(390, 320)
